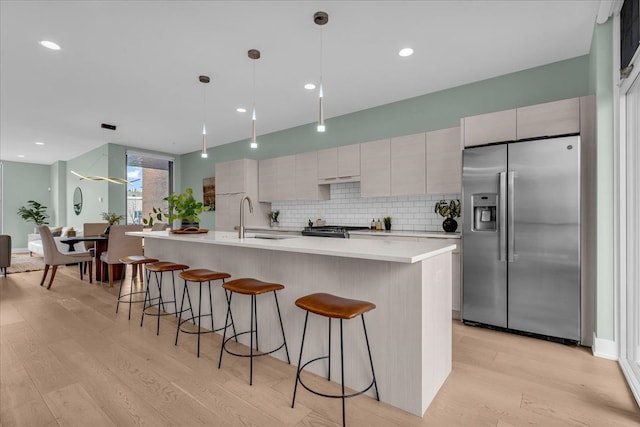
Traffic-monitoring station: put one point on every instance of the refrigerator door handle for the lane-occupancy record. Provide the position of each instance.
(511, 235)
(502, 220)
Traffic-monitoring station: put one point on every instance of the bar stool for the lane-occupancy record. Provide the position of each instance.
(334, 307)
(251, 287)
(200, 276)
(157, 302)
(137, 261)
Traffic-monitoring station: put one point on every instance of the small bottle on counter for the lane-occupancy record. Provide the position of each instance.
(373, 224)
(379, 225)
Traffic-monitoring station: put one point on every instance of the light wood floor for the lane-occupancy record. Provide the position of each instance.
(67, 359)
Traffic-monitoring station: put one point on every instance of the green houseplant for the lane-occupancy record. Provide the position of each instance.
(36, 213)
(112, 218)
(449, 210)
(273, 218)
(387, 223)
(184, 206)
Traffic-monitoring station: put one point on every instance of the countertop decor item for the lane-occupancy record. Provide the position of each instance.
(184, 206)
(273, 218)
(112, 218)
(387, 223)
(449, 210)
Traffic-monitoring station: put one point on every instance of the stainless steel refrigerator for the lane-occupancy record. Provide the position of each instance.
(521, 236)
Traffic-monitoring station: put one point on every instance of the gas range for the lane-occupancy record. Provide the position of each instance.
(339, 231)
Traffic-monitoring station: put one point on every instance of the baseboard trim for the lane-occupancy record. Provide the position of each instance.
(456, 314)
(632, 379)
(606, 349)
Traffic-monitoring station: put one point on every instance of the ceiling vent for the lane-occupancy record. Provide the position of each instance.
(108, 126)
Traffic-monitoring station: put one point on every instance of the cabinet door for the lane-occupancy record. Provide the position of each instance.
(349, 161)
(285, 178)
(230, 177)
(408, 165)
(306, 178)
(228, 211)
(267, 171)
(549, 119)
(492, 127)
(444, 161)
(328, 163)
(375, 168)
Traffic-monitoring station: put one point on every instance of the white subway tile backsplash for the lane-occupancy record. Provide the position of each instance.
(346, 207)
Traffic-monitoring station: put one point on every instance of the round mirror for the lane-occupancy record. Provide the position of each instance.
(77, 201)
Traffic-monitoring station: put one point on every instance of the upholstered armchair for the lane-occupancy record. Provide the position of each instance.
(5, 253)
(53, 257)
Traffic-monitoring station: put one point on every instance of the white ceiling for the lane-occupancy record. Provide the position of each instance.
(135, 64)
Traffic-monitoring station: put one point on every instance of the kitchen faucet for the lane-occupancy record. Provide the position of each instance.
(241, 228)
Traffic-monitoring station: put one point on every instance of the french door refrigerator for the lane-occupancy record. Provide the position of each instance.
(521, 234)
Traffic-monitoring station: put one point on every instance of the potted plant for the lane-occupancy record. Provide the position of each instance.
(36, 213)
(273, 218)
(112, 218)
(184, 207)
(155, 214)
(448, 210)
(387, 223)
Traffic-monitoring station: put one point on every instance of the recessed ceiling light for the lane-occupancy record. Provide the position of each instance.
(50, 45)
(21, 155)
(309, 86)
(39, 143)
(241, 110)
(407, 51)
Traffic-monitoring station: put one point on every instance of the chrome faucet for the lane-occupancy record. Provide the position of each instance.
(241, 227)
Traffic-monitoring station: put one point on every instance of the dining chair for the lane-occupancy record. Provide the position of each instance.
(92, 229)
(121, 246)
(53, 257)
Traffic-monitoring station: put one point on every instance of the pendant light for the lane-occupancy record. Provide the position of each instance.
(321, 18)
(254, 54)
(204, 80)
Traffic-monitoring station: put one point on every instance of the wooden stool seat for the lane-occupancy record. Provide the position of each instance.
(203, 275)
(162, 266)
(249, 286)
(137, 259)
(328, 305)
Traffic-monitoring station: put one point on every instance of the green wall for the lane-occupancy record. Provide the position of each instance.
(601, 83)
(24, 182)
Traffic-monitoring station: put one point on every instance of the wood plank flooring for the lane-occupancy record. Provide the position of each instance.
(67, 359)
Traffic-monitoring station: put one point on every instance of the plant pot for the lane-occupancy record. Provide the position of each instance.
(450, 225)
(185, 223)
(274, 224)
(387, 226)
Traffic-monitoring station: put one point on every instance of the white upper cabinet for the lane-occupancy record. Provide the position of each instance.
(340, 164)
(549, 119)
(408, 161)
(444, 161)
(375, 168)
(535, 121)
(487, 128)
(306, 178)
(277, 179)
(231, 176)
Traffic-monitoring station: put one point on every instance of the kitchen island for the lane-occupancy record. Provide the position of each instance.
(410, 283)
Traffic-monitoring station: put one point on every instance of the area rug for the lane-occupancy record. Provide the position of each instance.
(22, 263)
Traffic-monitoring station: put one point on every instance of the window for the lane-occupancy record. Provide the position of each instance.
(151, 180)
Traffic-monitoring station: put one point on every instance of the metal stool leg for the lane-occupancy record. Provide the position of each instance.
(224, 334)
(329, 352)
(286, 349)
(304, 332)
(199, 315)
(375, 383)
(344, 421)
(180, 314)
(253, 305)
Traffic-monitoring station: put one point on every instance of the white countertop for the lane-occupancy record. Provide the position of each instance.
(406, 233)
(382, 250)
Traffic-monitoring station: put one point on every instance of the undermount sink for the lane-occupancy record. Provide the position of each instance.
(272, 237)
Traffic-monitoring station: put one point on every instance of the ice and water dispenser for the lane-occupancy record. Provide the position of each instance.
(484, 208)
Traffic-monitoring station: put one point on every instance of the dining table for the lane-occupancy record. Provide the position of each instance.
(101, 244)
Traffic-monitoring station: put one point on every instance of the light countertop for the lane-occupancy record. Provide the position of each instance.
(382, 250)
